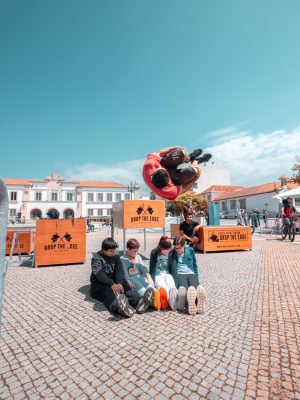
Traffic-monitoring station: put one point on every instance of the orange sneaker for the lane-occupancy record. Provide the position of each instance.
(164, 298)
(156, 303)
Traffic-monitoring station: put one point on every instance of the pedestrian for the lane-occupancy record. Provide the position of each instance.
(186, 277)
(162, 275)
(161, 174)
(265, 217)
(136, 273)
(109, 286)
(188, 229)
(186, 209)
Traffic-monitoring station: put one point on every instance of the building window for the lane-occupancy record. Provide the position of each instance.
(127, 196)
(99, 196)
(35, 214)
(12, 212)
(90, 212)
(54, 196)
(118, 197)
(90, 196)
(109, 197)
(69, 196)
(100, 211)
(13, 196)
(243, 204)
(38, 196)
(224, 206)
(108, 211)
(232, 204)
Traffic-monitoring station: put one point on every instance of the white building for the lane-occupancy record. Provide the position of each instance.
(211, 174)
(33, 198)
(260, 197)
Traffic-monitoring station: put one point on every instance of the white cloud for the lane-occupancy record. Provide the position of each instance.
(251, 159)
(255, 159)
(122, 172)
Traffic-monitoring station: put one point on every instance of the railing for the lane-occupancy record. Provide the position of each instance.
(3, 229)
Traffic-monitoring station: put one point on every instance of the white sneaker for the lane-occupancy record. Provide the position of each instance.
(181, 298)
(173, 299)
(201, 295)
(191, 300)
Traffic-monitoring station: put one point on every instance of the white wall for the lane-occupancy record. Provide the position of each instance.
(212, 174)
(259, 201)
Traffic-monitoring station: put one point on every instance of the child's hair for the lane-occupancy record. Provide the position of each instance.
(179, 241)
(132, 244)
(163, 244)
(108, 244)
(160, 178)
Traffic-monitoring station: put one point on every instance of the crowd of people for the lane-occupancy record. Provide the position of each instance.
(126, 286)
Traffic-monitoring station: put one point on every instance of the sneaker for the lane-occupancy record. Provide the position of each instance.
(200, 299)
(123, 306)
(191, 300)
(173, 299)
(181, 300)
(204, 158)
(145, 301)
(194, 154)
(164, 298)
(156, 303)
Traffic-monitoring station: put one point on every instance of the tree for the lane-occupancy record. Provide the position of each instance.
(199, 202)
(296, 169)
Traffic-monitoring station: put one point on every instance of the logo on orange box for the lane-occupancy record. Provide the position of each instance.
(144, 214)
(226, 236)
(59, 242)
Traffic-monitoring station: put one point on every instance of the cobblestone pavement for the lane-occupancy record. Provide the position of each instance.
(57, 342)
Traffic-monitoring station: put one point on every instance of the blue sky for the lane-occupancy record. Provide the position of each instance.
(89, 88)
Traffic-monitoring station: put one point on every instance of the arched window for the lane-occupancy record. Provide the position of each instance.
(35, 214)
(68, 214)
(52, 213)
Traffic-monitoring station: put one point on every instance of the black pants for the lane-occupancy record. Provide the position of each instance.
(105, 294)
(187, 280)
(178, 176)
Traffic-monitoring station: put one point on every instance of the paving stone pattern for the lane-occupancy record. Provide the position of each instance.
(57, 342)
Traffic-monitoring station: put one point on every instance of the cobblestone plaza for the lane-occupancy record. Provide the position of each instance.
(57, 342)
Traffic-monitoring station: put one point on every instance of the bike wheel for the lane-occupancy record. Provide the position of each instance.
(292, 233)
(284, 232)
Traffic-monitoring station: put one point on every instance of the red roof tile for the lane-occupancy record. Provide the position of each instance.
(252, 191)
(24, 182)
(20, 182)
(221, 188)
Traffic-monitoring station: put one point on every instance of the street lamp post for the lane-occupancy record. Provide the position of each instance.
(132, 187)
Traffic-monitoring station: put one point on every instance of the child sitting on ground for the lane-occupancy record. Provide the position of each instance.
(109, 286)
(162, 276)
(136, 273)
(186, 276)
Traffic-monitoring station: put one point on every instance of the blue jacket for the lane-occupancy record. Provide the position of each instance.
(153, 263)
(190, 259)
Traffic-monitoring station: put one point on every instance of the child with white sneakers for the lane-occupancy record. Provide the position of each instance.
(184, 269)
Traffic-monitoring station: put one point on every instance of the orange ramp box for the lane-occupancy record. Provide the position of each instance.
(26, 241)
(60, 241)
(224, 238)
(139, 214)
